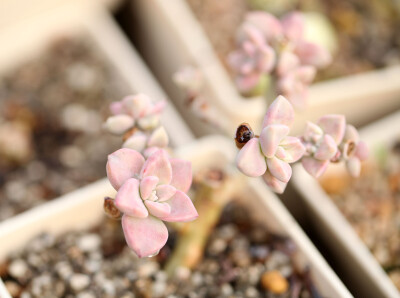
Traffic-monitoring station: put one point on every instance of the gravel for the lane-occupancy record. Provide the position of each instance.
(97, 263)
(51, 113)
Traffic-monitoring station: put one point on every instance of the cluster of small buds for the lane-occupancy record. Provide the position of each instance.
(190, 80)
(137, 118)
(270, 154)
(267, 46)
(151, 186)
(331, 140)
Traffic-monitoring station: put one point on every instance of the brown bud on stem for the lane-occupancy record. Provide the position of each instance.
(110, 209)
(244, 133)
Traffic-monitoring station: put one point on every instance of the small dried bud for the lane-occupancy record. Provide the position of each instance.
(110, 209)
(129, 133)
(244, 133)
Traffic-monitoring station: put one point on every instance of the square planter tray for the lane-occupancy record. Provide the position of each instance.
(83, 208)
(352, 256)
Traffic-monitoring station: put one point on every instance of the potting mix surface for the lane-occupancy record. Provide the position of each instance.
(371, 203)
(241, 260)
(51, 113)
(367, 32)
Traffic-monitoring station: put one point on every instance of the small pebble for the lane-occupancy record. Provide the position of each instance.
(78, 282)
(274, 282)
(89, 242)
(18, 269)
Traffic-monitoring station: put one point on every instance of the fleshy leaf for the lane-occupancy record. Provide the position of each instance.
(137, 105)
(327, 148)
(250, 161)
(312, 132)
(158, 209)
(279, 169)
(293, 25)
(165, 192)
(362, 151)
(182, 208)
(294, 149)
(158, 165)
(353, 166)
(123, 164)
(145, 236)
(267, 23)
(313, 166)
(136, 142)
(313, 54)
(333, 125)
(158, 138)
(279, 112)
(147, 185)
(118, 124)
(351, 134)
(270, 138)
(274, 184)
(181, 174)
(128, 199)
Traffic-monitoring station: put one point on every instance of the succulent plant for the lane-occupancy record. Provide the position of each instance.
(135, 110)
(149, 192)
(321, 141)
(267, 45)
(270, 154)
(331, 140)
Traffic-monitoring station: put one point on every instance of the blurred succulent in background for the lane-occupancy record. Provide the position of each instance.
(278, 48)
(134, 111)
(191, 81)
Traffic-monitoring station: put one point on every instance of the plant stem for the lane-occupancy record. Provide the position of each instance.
(209, 202)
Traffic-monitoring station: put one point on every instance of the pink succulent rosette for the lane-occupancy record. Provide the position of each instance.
(253, 58)
(331, 140)
(353, 151)
(270, 154)
(321, 141)
(133, 110)
(149, 192)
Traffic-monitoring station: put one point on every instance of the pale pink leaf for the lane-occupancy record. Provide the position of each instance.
(294, 149)
(270, 138)
(123, 164)
(145, 236)
(147, 185)
(181, 174)
(273, 183)
(279, 169)
(158, 209)
(353, 166)
(165, 192)
(182, 208)
(250, 160)
(314, 167)
(279, 112)
(118, 124)
(333, 125)
(128, 199)
(158, 165)
(326, 149)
